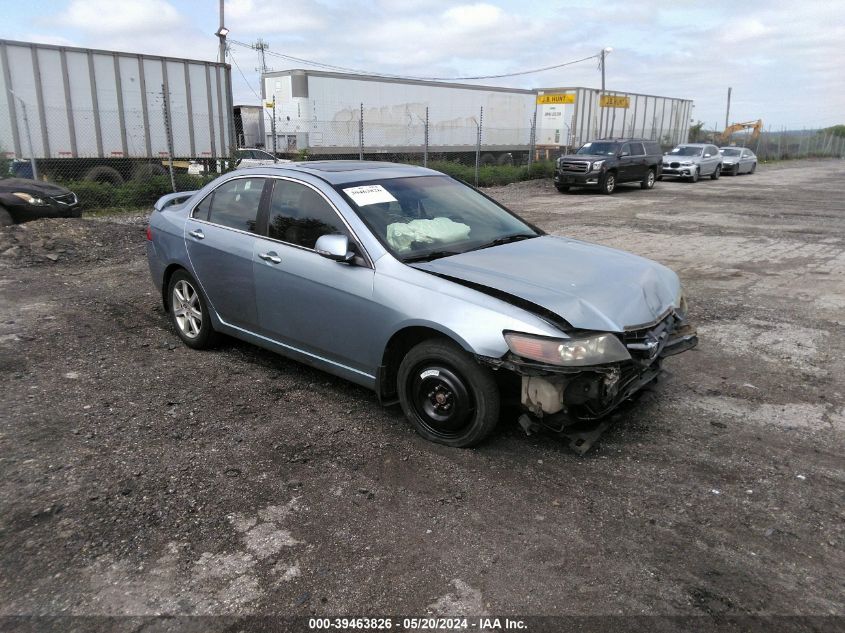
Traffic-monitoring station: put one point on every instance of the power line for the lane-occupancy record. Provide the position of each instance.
(246, 81)
(392, 76)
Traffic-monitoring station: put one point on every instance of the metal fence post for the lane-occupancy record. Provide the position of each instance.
(273, 125)
(533, 142)
(478, 144)
(33, 164)
(165, 110)
(361, 134)
(425, 140)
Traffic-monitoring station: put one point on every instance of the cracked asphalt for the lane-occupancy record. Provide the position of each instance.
(139, 477)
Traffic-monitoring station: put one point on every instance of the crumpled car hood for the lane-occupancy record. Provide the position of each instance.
(592, 287)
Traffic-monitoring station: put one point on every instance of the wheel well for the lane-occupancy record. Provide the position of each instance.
(165, 282)
(395, 350)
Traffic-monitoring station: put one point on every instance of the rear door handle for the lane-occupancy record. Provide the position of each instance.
(270, 257)
(197, 234)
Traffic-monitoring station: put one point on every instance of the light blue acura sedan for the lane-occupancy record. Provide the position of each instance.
(415, 285)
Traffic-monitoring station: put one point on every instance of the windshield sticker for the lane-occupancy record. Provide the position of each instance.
(369, 194)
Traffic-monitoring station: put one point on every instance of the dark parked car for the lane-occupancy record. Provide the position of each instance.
(22, 199)
(605, 163)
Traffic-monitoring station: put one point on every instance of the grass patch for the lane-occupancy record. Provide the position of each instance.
(493, 175)
(104, 198)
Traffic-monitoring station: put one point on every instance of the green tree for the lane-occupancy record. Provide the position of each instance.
(836, 130)
(696, 132)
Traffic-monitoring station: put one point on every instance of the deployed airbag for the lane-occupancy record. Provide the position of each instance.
(401, 235)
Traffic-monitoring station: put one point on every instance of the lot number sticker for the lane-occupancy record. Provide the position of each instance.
(369, 194)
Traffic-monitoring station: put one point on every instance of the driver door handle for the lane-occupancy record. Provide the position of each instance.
(197, 234)
(270, 257)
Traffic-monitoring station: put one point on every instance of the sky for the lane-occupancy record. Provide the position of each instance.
(781, 58)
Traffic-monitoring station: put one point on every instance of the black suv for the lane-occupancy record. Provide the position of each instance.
(605, 163)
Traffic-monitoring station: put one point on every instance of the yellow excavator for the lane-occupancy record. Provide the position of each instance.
(755, 126)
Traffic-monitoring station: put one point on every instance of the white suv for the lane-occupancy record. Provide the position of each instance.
(691, 161)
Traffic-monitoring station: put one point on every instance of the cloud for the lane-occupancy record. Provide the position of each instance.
(267, 17)
(113, 18)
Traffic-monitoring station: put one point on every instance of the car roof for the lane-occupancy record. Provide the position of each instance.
(623, 140)
(694, 144)
(338, 172)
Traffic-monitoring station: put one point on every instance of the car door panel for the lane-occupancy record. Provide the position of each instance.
(316, 305)
(306, 300)
(220, 241)
(222, 263)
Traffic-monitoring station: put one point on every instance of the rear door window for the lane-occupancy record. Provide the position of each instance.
(637, 149)
(299, 215)
(234, 204)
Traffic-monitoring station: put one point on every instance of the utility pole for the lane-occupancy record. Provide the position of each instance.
(728, 112)
(604, 53)
(221, 34)
(261, 46)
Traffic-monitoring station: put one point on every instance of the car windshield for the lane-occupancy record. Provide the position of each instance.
(686, 150)
(599, 149)
(730, 152)
(427, 217)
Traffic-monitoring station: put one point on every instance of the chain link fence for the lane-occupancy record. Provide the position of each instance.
(130, 157)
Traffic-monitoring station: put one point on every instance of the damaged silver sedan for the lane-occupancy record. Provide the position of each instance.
(419, 287)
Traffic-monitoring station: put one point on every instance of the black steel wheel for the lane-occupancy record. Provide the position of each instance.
(448, 397)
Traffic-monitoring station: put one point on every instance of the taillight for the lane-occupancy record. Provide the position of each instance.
(149, 233)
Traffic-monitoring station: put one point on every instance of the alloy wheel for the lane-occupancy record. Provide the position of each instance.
(186, 308)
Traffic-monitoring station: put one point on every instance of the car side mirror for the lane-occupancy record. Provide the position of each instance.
(334, 247)
(623, 154)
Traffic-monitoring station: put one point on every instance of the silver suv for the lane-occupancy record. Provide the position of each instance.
(691, 161)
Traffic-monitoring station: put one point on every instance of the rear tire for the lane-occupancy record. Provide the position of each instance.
(716, 173)
(103, 173)
(648, 183)
(607, 184)
(6, 218)
(448, 397)
(189, 311)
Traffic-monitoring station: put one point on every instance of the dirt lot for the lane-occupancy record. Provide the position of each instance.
(140, 477)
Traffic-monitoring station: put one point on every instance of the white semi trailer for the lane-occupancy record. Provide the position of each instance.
(322, 113)
(108, 115)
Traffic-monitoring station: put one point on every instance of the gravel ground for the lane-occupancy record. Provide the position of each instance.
(139, 477)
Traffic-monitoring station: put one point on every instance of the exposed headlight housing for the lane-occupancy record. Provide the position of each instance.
(578, 352)
(596, 165)
(30, 198)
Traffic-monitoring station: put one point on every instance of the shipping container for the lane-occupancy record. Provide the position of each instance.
(321, 112)
(110, 108)
(569, 117)
(249, 126)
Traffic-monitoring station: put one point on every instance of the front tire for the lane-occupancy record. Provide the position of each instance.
(716, 173)
(6, 218)
(448, 397)
(694, 177)
(562, 188)
(753, 168)
(648, 183)
(608, 183)
(189, 311)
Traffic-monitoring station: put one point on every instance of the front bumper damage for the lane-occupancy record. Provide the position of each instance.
(576, 401)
